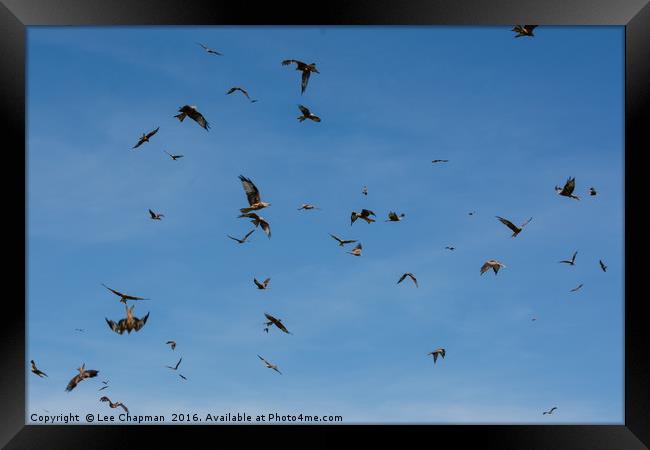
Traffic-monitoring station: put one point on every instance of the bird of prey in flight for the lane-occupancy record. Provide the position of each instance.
(550, 411)
(364, 191)
(393, 217)
(602, 265)
(411, 276)
(258, 221)
(435, 161)
(174, 157)
(436, 352)
(209, 50)
(37, 371)
(364, 214)
(492, 264)
(524, 30)
(124, 297)
(129, 323)
(306, 70)
(114, 405)
(572, 261)
(252, 195)
(105, 383)
(356, 251)
(567, 190)
(592, 192)
(82, 375)
(515, 229)
(262, 285)
(155, 216)
(244, 239)
(307, 206)
(342, 242)
(450, 248)
(269, 365)
(176, 366)
(182, 376)
(273, 321)
(194, 114)
(242, 90)
(172, 344)
(145, 137)
(576, 288)
(307, 114)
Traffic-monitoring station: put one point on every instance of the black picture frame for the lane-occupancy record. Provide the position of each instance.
(16, 15)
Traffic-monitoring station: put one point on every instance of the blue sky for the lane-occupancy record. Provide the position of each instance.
(515, 117)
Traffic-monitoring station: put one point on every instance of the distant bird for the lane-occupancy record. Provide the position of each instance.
(194, 114)
(82, 375)
(364, 214)
(436, 352)
(515, 229)
(306, 70)
(81, 330)
(277, 322)
(524, 30)
(364, 191)
(269, 365)
(471, 213)
(492, 264)
(145, 137)
(572, 261)
(356, 251)
(550, 411)
(242, 240)
(393, 217)
(129, 323)
(342, 242)
(252, 195)
(435, 161)
(533, 319)
(114, 405)
(592, 192)
(307, 114)
(176, 366)
(576, 288)
(567, 190)
(259, 221)
(174, 157)
(242, 90)
(105, 383)
(262, 285)
(411, 276)
(307, 206)
(182, 376)
(172, 344)
(209, 50)
(156, 216)
(450, 248)
(37, 371)
(124, 297)
(602, 265)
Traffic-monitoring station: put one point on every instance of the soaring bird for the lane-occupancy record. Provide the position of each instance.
(262, 285)
(364, 191)
(194, 114)
(176, 366)
(124, 297)
(576, 288)
(436, 352)
(129, 323)
(393, 217)
(182, 376)
(145, 137)
(273, 321)
(550, 411)
(307, 114)
(592, 192)
(80, 330)
(259, 221)
(471, 213)
(105, 383)
(567, 190)
(524, 30)
(174, 157)
(82, 375)
(572, 261)
(306, 69)
(269, 365)
(307, 206)
(602, 265)
(209, 50)
(364, 214)
(492, 264)
(242, 90)
(155, 216)
(356, 251)
(172, 344)
(242, 240)
(435, 161)
(114, 405)
(252, 195)
(411, 276)
(342, 242)
(36, 371)
(515, 229)
(450, 248)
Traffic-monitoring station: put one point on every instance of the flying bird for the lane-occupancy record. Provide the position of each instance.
(263, 285)
(550, 411)
(252, 195)
(182, 376)
(567, 190)
(602, 265)
(242, 90)
(572, 261)
(307, 114)
(435, 161)
(209, 50)
(393, 217)
(576, 288)
(306, 70)
(592, 192)
(492, 264)
(259, 221)
(174, 157)
(129, 323)
(436, 352)
(105, 383)
(515, 229)
(471, 213)
(342, 242)
(37, 371)
(172, 344)
(124, 297)
(356, 251)
(450, 248)
(176, 366)
(307, 206)
(364, 214)
(411, 276)
(82, 375)
(277, 322)
(156, 216)
(81, 330)
(242, 240)
(145, 137)
(269, 365)
(194, 114)
(364, 191)
(524, 30)
(114, 405)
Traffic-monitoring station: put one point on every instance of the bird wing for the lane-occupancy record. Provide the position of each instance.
(414, 279)
(569, 186)
(304, 110)
(258, 284)
(358, 247)
(90, 373)
(252, 193)
(198, 118)
(392, 216)
(485, 267)
(114, 326)
(140, 142)
(248, 234)
(337, 239)
(367, 212)
(509, 224)
(526, 222)
(281, 326)
(231, 90)
(287, 62)
(153, 214)
(105, 399)
(139, 323)
(123, 406)
(573, 258)
(305, 80)
(118, 293)
(266, 227)
(73, 383)
(235, 239)
(401, 279)
(151, 133)
(266, 282)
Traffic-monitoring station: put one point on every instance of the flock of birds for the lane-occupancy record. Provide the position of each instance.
(132, 323)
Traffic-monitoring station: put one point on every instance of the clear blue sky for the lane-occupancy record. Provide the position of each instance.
(515, 117)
